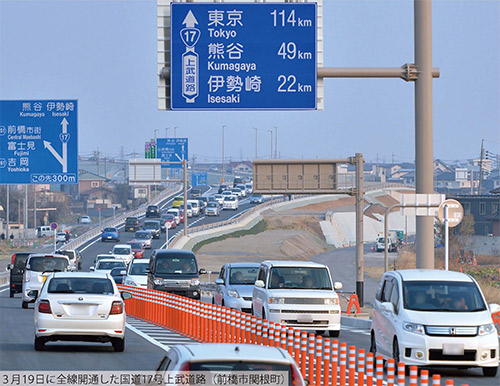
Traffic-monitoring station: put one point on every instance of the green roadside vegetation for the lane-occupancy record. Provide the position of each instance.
(260, 227)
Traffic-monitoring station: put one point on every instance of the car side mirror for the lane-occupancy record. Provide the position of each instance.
(126, 295)
(337, 285)
(92, 268)
(259, 284)
(148, 270)
(494, 308)
(219, 281)
(33, 294)
(8, 267)
(202, 271)
(123, 273)
(387, 307)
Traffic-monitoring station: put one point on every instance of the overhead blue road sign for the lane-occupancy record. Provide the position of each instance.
(38, 142)
(199, 179)
(243, 56)
(172, 150)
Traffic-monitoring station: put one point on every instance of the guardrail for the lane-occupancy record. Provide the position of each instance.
(224, 223)
(118, 220)
(322, 361)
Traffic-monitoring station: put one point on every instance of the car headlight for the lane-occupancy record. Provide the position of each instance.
(195, 282)
(158, 281)
(276, 300)
(414, 328)
(331, 301)
(233, 293)
(487, 329)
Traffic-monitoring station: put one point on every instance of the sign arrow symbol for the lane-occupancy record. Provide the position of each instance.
(48, 145)
(64, 164)
(190, 21)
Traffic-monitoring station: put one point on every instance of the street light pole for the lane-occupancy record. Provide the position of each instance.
(175, 131)
(271, 132)
(276, 143)
(223, 163)
(256, 131)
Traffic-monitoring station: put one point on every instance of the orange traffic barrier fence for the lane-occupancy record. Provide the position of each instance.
(321, 361)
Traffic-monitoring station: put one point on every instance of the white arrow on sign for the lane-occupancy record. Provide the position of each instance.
(190, 21)
(64, 137)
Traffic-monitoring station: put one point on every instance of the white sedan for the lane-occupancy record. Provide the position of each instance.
(80, 306)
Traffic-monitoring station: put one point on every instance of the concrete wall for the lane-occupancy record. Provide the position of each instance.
(486, 245)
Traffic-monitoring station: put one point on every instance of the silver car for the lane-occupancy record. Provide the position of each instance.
(234, 286)
(228, 357)
(80, 306)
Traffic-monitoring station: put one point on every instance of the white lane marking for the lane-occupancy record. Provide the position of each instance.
(239, 213)
(147, 337)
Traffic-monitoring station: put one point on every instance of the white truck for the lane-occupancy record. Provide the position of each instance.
(297, 294)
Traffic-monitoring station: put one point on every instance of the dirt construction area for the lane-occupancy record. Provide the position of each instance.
(287, 236)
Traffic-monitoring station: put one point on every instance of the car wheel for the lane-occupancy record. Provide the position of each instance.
(263, 314)
(24, 304)
(39, 344)
(373, 344)
(118, 344)
(490, 371)
(334, 333)
(12, 294)
(395, 350)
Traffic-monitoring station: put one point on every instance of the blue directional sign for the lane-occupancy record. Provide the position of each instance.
(199, 179)
(38, 142)
(172, 150)
(243, 56)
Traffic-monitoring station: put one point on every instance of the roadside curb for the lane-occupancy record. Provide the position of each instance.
(356, 322)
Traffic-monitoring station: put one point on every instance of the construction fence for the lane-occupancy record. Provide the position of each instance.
(322, 361)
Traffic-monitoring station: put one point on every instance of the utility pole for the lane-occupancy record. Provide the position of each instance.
(98, 155)
(175, 131)
(276, 143)
(34, 206)
(481, 167)
(271, 132)
(359, 229)
(256, 131)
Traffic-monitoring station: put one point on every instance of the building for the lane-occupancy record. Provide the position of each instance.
(484, 209)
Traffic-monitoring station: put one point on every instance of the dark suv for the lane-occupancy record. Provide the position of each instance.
(175, 271)
(132, 224)
(154, 227)
(152, 211)
(16, 268)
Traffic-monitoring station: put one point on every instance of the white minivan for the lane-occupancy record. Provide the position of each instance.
(297, 294)
(430, 317)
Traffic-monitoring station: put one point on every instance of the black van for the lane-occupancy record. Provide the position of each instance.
(175, 271)
(132, 224)
(16, 267)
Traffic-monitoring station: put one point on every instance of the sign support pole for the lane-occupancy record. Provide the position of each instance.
(55, 239)
(184, 165)
(8, 214)
(446, 239)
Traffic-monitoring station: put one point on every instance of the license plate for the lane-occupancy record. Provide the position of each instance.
(109, 237)
(453, 349)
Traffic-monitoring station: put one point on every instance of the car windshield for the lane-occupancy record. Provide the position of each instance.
(121, 251)
(300, 277)
(243, 275)
(100, 257)
(110, 264)
(138, 269)
(169, 217)
(43, 264)
(238, 365)
(442, 296)
(110, 230)
(142, 235)
(131, 221)
(212, 205)
(176, 265)
(178, 198)
(230, 198)
(136, 245)
(80, 285)
(150, 225)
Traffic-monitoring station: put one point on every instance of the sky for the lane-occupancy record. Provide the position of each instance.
(103, 53)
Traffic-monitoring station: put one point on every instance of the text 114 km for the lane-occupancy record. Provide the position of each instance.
(282, 19)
